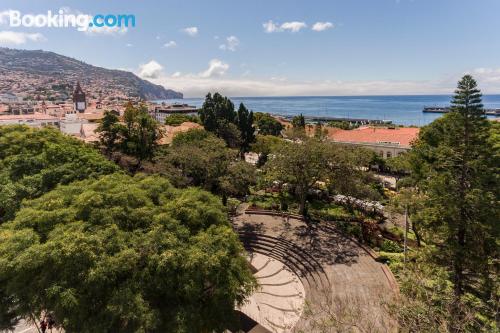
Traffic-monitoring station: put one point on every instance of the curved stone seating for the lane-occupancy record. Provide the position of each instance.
(278, 303)
(331, 266)
(296, 259)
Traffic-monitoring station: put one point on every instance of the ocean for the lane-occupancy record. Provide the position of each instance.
(401, 110)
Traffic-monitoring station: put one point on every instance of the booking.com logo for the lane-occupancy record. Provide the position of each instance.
(64, 20)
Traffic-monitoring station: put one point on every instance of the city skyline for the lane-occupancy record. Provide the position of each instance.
(282, 48)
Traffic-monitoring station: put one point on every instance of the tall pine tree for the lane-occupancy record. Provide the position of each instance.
(462, 189)
(245, 125)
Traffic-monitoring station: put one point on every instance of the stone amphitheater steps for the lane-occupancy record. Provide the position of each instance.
(287, 258)
(297, 260)
(328, 255)
(269, 275)
(279, 300)
(298, 264)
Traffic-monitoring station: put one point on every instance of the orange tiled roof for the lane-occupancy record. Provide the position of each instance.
(35, 116)
(90, 116)
(402, 136)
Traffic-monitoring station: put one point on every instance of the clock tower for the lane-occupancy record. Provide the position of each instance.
(79, 102)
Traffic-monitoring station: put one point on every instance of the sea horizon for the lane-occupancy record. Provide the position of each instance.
(399, 109)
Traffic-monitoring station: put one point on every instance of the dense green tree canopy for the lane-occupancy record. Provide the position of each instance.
(235, 127)
(34, 161)
(245, 125)
(264, 145)
(109, 130)
(346, 173)
(216, 111)
(140, 134)
(137, 136)
(191, 136)
(267, 124)
(123, 254)
(178, 119)
(302, 165)
(298, 128)
(199, 158)
(299, 122)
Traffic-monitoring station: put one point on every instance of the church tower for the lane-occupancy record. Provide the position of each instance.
(79, 102)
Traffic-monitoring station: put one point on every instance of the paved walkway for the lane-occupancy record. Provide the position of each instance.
(279, 301)
(358, 286)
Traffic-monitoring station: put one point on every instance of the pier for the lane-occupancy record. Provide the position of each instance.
(360, 121)
(446, 109)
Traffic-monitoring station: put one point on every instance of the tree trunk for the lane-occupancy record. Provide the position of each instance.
(406, 235)
(418, 238)
(458, 282)
(458, 264)
(302, 202)
(302, 206)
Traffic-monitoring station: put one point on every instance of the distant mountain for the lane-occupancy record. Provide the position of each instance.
(37, 72)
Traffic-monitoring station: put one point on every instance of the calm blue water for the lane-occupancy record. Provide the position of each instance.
(404, 110)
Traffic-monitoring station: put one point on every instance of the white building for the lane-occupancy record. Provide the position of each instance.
(71, 124)
(161, 113)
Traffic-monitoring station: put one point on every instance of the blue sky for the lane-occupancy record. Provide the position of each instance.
(249, 48)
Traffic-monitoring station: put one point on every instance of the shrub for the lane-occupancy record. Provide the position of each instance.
(390, 246)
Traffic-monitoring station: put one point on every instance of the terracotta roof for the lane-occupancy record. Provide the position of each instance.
(90, 116)
(35, 116)
(400, 136)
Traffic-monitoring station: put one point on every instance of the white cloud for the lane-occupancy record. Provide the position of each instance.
(196, 86)
(158, 37)
(191, 31)
(214, 78)
(215, 68)
(193, 85)
(170, 44)
(488, 76)
(270, 26)
(17, 38)
(322, 26)
(294, 26)
(129, 45)
(231, 44)
(150, 70)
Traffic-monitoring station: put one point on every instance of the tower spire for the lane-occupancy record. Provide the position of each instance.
(79, 100)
